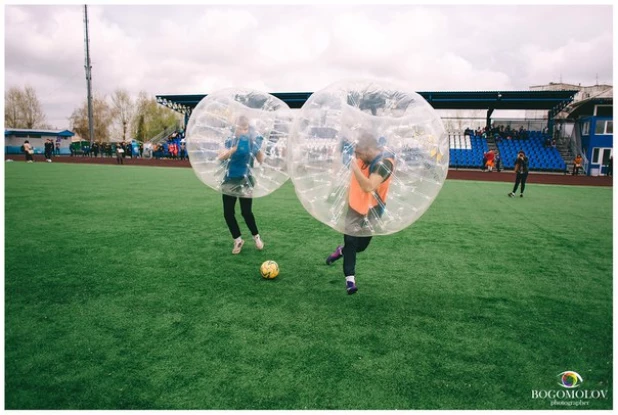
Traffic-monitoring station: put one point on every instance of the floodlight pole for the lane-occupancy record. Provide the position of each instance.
(88, 67)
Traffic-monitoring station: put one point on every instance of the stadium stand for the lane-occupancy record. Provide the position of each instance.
(466, 151)
(541, 158)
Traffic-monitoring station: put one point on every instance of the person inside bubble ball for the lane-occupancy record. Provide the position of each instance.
(372, 170)
(240, 152)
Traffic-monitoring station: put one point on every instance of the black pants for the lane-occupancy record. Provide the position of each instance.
(229, 207)
(576, 170)
(521, 178)
(351, 246)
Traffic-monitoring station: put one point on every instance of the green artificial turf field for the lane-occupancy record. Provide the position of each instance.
(121, 292)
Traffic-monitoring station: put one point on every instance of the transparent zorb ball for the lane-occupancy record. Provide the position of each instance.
(237, 142)
(383, 128)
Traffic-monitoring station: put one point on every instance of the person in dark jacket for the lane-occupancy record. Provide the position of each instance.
(521, 171)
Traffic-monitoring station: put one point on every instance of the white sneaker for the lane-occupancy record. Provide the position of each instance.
(258, 242)
(238, 246)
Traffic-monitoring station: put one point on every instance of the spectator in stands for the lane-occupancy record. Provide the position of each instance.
(553, 143)
(241, 151)
(521, 171)
(577, 164)
(57, 148)
(610, 165)
(141, 150)
(28, 151)
(484, 165)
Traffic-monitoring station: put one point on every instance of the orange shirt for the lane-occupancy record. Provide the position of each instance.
(362, 201)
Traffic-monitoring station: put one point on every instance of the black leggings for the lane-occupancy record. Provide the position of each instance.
(229, 207)
(352, 245)
(521, 177)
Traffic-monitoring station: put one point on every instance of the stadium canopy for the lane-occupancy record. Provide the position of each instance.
(551, 101)
(22, 132)
(440, 100)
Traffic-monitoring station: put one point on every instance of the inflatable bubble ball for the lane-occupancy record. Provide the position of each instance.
(367, 157)
(237, 141)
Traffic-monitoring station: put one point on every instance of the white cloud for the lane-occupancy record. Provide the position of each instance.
(198, 49)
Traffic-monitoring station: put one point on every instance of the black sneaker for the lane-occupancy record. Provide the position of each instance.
(350, 287)
(335, 255)
(511, 194)
(521, 195)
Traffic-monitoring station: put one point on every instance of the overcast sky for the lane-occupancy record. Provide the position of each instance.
(199, 49)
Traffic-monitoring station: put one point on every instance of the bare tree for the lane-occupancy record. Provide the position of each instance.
(151, 118)
(102, 116)
(22, 109)
(123, 109)
(31, 109)
(11, 108)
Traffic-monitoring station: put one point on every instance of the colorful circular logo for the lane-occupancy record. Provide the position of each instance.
(570, 379)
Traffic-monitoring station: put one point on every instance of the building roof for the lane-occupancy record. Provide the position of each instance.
(22, 132)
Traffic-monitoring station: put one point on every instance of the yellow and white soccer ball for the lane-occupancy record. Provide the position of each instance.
(269, 270)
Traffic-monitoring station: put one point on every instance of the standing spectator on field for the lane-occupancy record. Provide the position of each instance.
(49, 150)
(577, 164)
(119, 154)
(521, 171)
(490, 160)
(498, 162)
(183, 149)
(28, 151)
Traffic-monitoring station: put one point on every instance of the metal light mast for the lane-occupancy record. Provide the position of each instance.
(88, 67)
